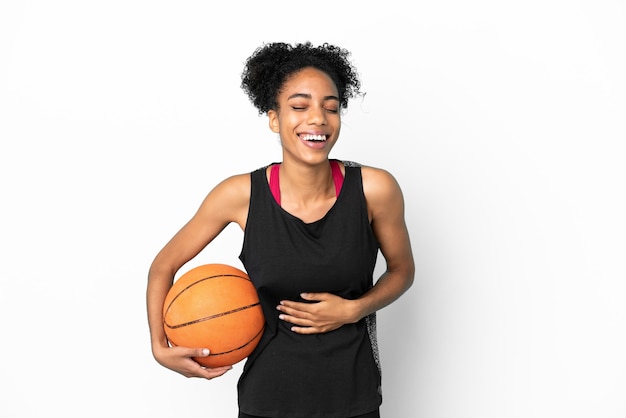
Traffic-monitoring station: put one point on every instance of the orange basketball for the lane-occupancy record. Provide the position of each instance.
(214, 306)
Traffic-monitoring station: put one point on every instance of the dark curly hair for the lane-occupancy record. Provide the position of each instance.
(272, 64)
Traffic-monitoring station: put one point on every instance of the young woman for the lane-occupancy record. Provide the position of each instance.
(312, 228)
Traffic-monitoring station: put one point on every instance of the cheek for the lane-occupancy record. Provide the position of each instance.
(291, 120)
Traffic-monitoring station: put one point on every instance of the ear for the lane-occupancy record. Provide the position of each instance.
(272, 116)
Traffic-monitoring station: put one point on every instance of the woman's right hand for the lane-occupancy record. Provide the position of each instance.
(181, 360)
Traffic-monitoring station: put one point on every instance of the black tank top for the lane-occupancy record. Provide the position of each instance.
(330, 375)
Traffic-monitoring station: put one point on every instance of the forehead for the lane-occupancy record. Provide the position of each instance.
(309, 80)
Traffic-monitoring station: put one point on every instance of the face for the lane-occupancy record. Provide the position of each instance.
(308, 115)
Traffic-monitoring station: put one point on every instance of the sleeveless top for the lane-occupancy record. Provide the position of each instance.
(329, 375)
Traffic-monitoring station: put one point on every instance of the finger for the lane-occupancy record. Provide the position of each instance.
(298, 309)
(291, 304)
(306, 330)
(312, 296)
(313, 329)
(208, 372)
(212, 373)
(296, 320)
(200, 352)
(203, 371)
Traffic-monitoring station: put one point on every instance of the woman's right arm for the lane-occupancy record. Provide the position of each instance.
(227, 202)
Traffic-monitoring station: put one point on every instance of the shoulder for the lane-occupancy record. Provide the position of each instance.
(238, 185)
(235, 184)
(378, 181)
(370, 173)
(232, 193)
(227, 202)
(382, 192)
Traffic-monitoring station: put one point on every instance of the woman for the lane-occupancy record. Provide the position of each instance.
(312, 229)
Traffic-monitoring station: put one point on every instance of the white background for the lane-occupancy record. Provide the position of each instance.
(503, 122)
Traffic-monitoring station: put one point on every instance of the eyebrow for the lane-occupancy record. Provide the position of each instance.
(308, 96)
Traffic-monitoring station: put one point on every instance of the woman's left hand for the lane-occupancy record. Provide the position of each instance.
(327, 313)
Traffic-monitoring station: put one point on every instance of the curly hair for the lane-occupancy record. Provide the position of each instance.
(267, 69)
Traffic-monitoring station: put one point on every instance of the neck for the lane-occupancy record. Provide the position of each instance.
(306, 183)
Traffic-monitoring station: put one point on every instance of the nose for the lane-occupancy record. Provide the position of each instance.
(316, 116)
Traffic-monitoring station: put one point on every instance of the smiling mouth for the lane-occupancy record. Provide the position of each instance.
(314, 138)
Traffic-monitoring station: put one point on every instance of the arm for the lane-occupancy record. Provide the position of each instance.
(385, 204)
(226, 203)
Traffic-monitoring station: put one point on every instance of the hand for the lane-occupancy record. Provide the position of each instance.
(328, 313)
(181, 360)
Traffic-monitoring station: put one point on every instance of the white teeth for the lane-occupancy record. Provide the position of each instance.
(314, 137)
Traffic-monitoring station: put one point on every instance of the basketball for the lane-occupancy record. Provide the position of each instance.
(214, 306)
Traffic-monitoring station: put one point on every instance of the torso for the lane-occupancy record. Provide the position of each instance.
(284, 256)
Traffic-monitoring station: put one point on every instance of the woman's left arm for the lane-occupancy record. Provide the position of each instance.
(385, 203)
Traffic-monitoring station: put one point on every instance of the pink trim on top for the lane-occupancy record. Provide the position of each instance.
(275, 182)
(337, 176)
(275, 179)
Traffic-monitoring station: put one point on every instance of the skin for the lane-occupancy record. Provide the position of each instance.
(306, 105)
